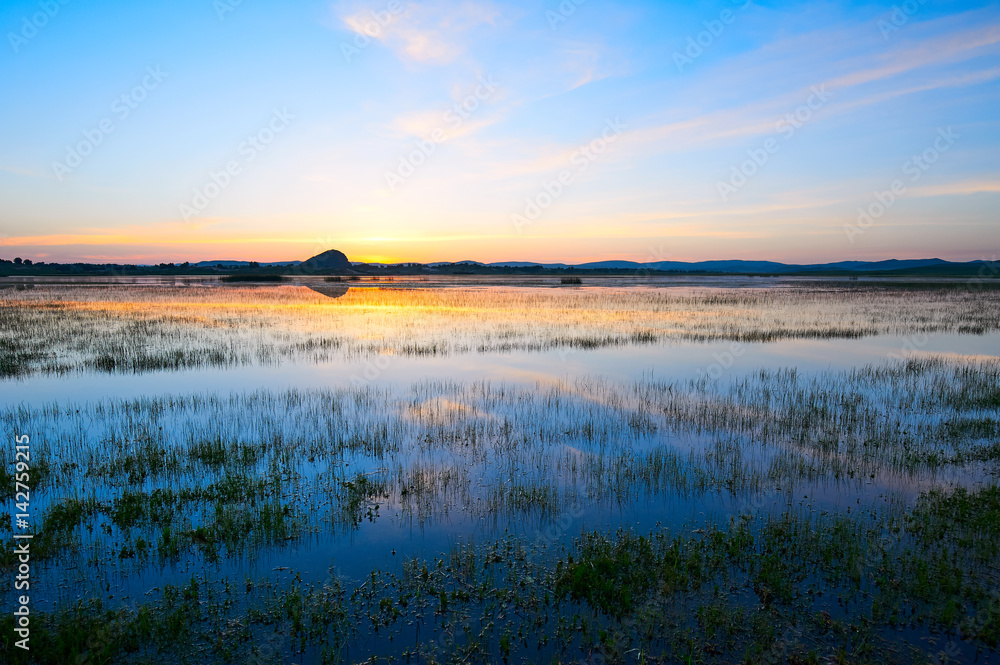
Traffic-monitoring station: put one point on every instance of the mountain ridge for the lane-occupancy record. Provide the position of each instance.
(716, 265)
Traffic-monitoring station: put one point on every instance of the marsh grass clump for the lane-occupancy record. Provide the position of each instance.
(608, 574)
(16, 358)
(570, 280)
(137, 360)
(533, 496)
(961, 520)
(251, 277)
(7, 484)
(973, 428)
(359, 499)
(214, 452)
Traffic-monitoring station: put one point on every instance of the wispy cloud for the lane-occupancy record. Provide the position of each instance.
(850, 89)
(961, 188)
(943, 49)
(430, 32)
(16, 170)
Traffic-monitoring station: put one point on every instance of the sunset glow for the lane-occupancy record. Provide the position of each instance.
(500, 131)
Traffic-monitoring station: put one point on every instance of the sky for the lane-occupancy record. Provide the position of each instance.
(572, 130)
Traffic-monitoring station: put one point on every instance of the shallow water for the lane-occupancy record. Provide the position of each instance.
(663, 361)
(398, 531)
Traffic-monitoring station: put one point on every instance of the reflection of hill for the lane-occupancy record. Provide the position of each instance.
(331, 291)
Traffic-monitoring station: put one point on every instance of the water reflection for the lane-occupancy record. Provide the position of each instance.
(665, 360)
(330, 291)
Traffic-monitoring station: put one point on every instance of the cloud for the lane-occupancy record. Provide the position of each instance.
(850, 88)
(958, 188)
(432, 33)
(474, 108)
(949, 48)
(16, 170)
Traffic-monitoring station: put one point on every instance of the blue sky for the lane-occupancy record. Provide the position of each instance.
(201, 129)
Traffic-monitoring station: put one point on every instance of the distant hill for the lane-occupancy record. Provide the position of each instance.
(335, 260)
(459, 263)
(527, 264)
(331, 259)
(731, 266)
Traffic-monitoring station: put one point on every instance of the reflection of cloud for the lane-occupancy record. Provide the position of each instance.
(439, 411)
(431, 32)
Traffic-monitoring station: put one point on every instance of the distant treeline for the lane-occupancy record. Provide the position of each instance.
(25, 267)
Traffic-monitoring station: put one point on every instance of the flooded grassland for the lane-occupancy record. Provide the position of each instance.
(760, 506)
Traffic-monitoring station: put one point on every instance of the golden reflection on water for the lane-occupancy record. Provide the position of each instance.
(322, 321)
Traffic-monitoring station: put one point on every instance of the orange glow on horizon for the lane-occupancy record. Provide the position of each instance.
(172, 245)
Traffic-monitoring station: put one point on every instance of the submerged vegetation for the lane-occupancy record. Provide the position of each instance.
(771, 515)
(72, 328)
(783, 588)
(783, 517)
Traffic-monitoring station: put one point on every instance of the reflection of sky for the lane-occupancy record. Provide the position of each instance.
(663, 362)
(353, 555)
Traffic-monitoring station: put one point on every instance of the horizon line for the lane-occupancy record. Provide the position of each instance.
(92, 261)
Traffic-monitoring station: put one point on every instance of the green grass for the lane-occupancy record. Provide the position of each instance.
(789, 587)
